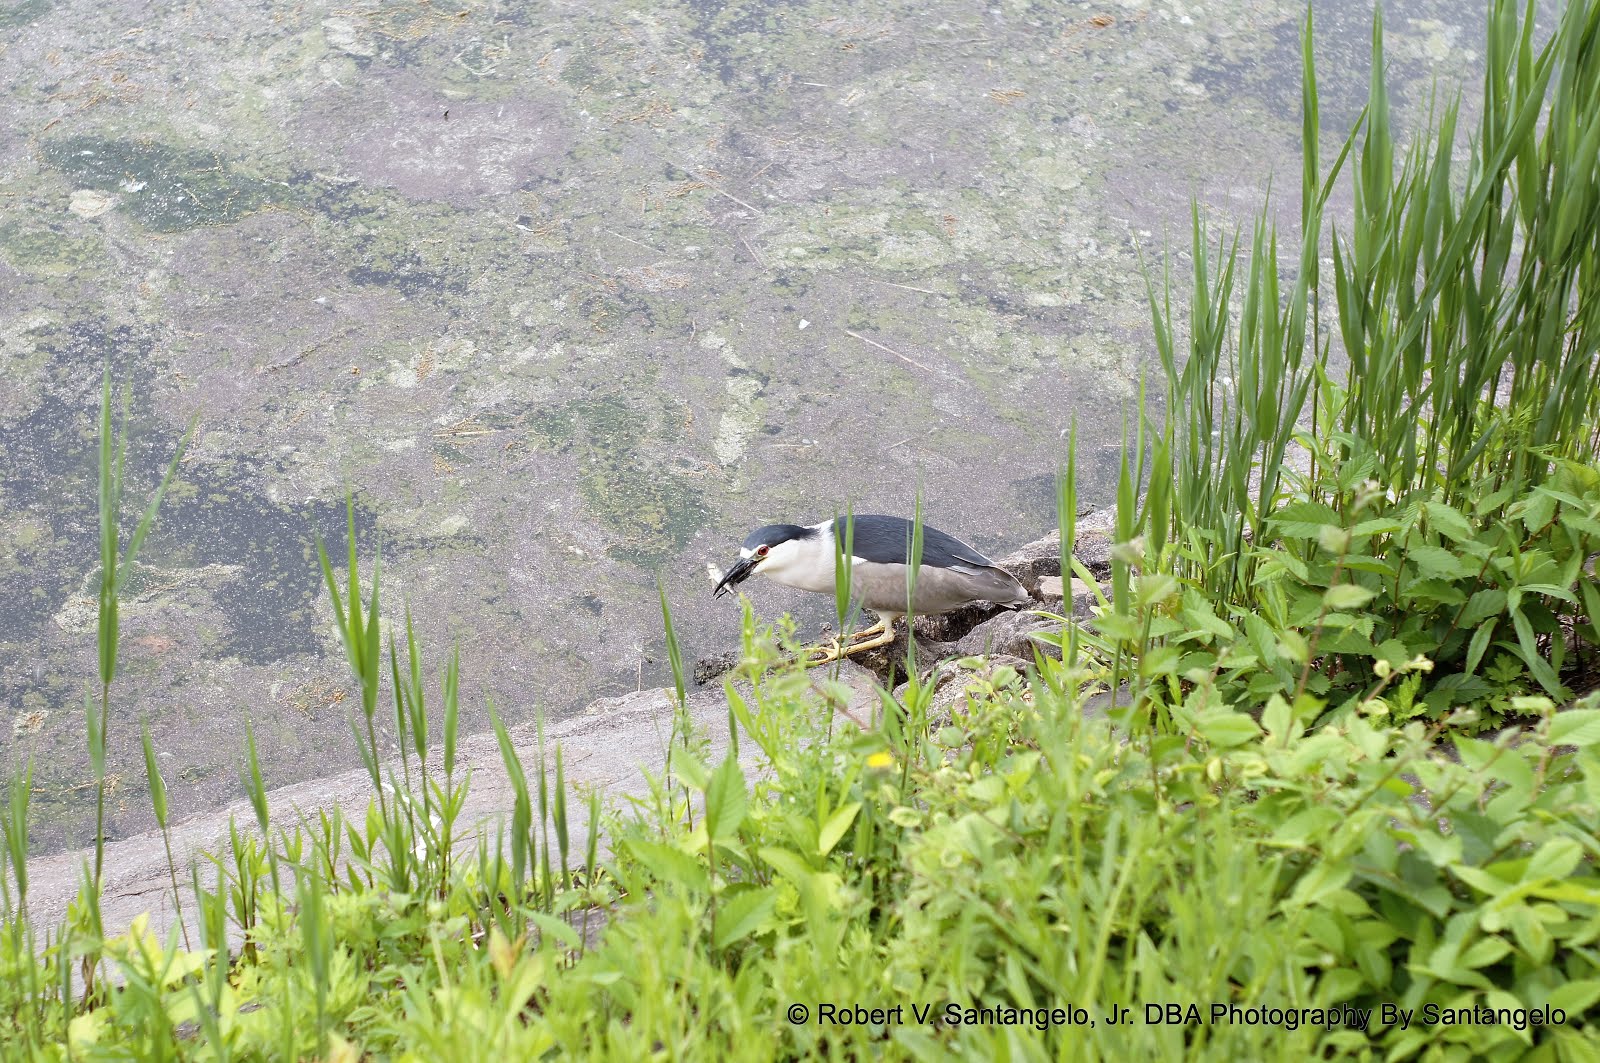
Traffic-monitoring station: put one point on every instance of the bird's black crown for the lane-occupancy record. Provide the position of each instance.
(773, 534)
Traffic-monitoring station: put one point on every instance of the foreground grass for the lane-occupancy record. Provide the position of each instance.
(1017, 855)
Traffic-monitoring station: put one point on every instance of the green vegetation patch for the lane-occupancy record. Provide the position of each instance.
(653, 506)
(1425, 545)
(48, 248)
(1004, 853)
(414, 247)
(170, 189)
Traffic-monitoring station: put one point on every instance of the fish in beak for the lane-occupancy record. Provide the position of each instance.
(736, 575)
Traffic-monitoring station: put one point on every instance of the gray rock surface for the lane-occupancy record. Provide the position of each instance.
(1007, 634)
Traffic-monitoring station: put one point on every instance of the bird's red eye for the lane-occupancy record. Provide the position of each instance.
(761, 551)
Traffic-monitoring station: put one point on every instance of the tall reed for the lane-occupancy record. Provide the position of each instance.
(1461, 356)
(116, 564)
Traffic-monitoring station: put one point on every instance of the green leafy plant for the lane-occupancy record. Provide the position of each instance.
(1300, 527)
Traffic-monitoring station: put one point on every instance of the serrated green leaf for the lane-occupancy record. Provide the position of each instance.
(726, 801)
(1535, 510)
(746, 912)
(1334, 540)
(691, 769)
(1304, 520)
(668, 864)
(1436, 562)
(1575, 727)
(1376, 526)
(1449, 521)
(1198, 613)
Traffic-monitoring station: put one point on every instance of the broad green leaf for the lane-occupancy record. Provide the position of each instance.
(791, 865)
(668, 864)
(743, 913)
(1483, 605)
(1197, 612)
(1484, 952)
(1480, 642)
(1293, 645)
(725, 800)
(1226, 728)
(1535, 510)
(1449, 521)
(1575, 727)
(1556, 858)
(690, 769)
(1393, 651)
(1309, 825)
(1324, 877)
(1347, 596)
(1277, 718)
(1527, 648)
(1376, 526)
(1333, 539)
(1478, 879)
(1304, 520)
(559, 929)
(1159, 660)
(835, 827)
(1433, 561)
(1532, 936)
(1153, 588)
(1575, 998)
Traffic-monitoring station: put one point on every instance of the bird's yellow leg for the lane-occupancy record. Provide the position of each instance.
(874, 630)
(880, 634)
(885, 637)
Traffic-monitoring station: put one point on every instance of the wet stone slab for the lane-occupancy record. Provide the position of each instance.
(570, 296)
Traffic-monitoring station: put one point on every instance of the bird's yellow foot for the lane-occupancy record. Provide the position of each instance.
(880, 634)
(827, 653)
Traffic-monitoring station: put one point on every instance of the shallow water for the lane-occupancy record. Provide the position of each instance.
(571, 295)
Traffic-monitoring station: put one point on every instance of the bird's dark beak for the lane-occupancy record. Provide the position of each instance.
(736, 575)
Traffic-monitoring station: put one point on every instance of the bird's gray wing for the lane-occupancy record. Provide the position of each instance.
(887, 540)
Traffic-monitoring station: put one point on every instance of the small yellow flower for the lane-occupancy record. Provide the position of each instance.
(880, 761)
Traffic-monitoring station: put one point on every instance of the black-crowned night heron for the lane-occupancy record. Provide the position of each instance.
(952, 574)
